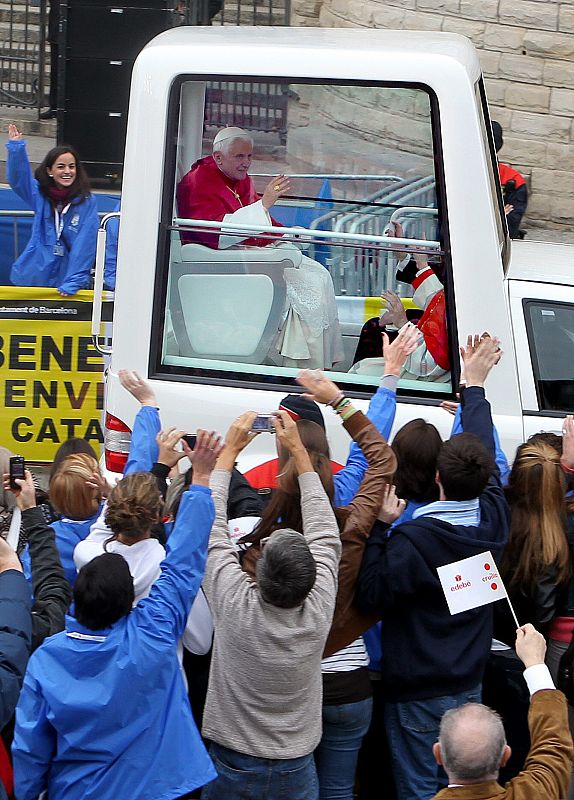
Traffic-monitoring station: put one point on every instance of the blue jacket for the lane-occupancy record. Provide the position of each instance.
(144, 449)
(68, 533)
(104, 714)
(38, 265)
(381, 412)
(15, 639)
(427, 652)
(112, 233)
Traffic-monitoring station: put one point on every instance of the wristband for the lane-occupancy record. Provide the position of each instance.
(336, 400)
(566, 468)
(348, 413)
(342, 405)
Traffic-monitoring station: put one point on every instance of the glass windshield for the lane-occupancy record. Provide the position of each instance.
(302, 232)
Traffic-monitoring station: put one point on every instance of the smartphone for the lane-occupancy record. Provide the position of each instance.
(263, 423)
(190, 439)
(17, 470)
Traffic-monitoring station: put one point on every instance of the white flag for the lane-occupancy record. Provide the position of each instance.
(471, 583)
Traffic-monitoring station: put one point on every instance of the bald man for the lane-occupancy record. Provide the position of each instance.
(218, 188)
(472, 744)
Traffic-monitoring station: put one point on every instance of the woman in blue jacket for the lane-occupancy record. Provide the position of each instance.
(62, 246)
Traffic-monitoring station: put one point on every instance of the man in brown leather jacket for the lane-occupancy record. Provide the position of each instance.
(472, 745)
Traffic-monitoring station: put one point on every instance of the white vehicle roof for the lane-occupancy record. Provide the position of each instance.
(541, 262)
(351, 53)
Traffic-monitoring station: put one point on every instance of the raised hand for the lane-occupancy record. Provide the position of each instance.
(319, 387)
(479, 357)
(396, 354)
(13, 133)
(204, 456)
(166, 441)
(288, 437)
(138, 387)
(100, 484)
(25, 494)
(530, 645)
(236, 439)
(393, 310)
(274, 189)
(450, 406)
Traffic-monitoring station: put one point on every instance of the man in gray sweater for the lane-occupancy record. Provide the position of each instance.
(263, 708)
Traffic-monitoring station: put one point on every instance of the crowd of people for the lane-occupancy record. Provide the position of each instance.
(181, 634)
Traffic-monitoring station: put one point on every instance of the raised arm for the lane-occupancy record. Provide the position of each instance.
(500, 458)
(18, 170)
(320, 527)
(52, 592)
(381, 411)
(360, 516)
(223, 572)
(143, 446)
(479, 357)
(548, 767)
(165, 611)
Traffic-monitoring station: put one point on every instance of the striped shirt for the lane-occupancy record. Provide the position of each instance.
(352, 657)
(456, 512)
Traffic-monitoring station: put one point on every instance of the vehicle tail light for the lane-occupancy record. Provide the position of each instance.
(117, 440)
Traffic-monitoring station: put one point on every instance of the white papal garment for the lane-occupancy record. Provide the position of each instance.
(310, 336)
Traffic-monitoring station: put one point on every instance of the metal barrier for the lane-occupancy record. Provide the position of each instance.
(19, 213)
(366, 271)
(24, 58)
(22, 53)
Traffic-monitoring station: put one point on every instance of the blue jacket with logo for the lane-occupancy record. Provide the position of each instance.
(105, 714)
(38, 265)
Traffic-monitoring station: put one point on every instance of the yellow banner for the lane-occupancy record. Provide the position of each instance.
(51, 375)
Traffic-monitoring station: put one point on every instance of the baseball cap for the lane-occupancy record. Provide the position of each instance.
(299, 408)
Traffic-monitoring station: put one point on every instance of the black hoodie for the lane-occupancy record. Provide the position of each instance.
(427, 652)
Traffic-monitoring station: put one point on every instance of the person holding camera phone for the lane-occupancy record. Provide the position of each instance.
(52, 592)
(347, 692)
(263, 709)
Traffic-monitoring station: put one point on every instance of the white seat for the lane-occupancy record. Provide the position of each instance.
(228, 304)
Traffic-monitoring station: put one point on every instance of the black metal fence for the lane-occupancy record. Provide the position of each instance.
(24, 57)
(22, 52)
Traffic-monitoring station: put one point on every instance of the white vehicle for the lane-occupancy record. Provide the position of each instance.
(397, 123)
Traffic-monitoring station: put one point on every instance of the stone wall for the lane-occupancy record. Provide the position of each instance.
(526, 48)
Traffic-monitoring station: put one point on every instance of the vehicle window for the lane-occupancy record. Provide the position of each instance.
(492, 171)
(291, 244)
(550, 329)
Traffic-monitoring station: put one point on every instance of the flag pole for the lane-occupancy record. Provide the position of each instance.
(512, 610)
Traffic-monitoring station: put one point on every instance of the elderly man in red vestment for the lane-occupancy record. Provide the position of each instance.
(218, 188)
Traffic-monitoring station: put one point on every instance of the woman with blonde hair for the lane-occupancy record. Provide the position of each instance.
(73, 494)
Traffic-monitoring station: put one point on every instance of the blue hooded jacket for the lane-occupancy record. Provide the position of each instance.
(105, 714)
(38, 265)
